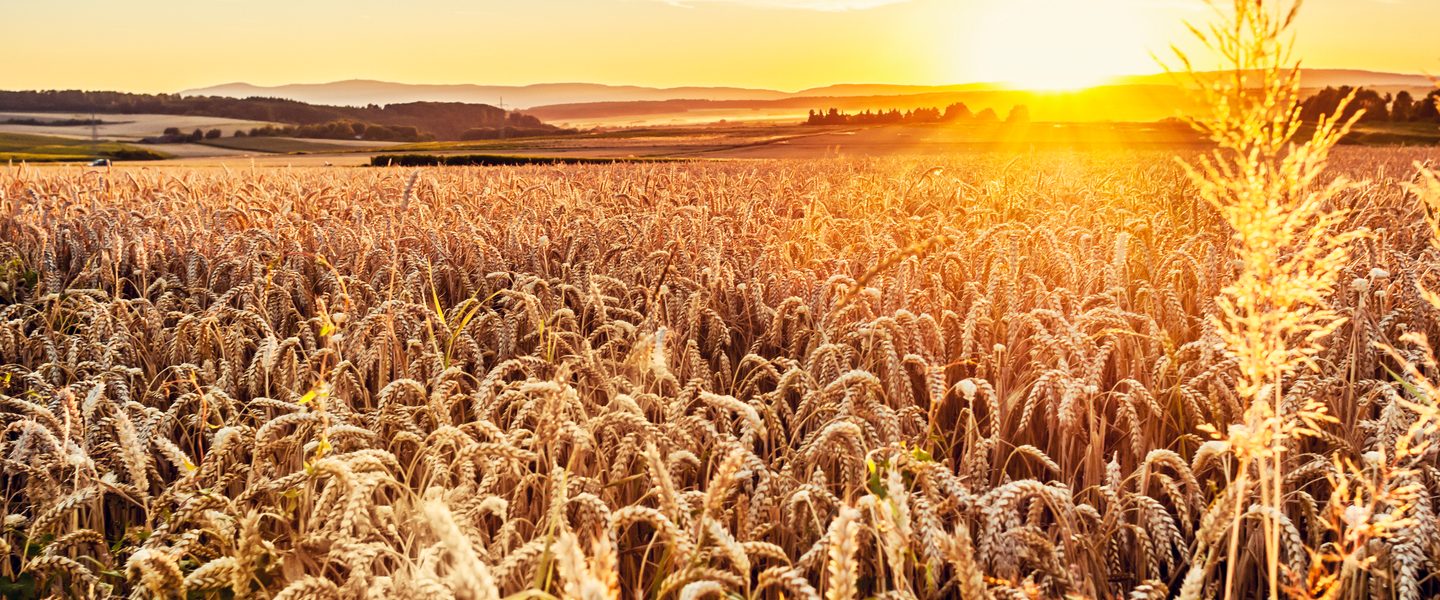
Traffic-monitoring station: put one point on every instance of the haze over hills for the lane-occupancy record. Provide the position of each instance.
(357, 92)
(1134, 102)
(1317, 78)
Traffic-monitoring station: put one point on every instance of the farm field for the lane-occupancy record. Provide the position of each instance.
(1019, 308)
(966, 372)
(770, 141)
(121, 127)
(287, 145)
(120, 131)
(20, 147)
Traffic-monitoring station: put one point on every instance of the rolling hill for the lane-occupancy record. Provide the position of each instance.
(359, 92)
(364, 92)
(408, 121)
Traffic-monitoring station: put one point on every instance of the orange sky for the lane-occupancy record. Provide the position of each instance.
(150, 45)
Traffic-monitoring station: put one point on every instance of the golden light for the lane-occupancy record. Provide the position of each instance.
(1057, 44)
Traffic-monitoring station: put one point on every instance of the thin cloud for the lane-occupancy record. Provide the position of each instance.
(820, 5)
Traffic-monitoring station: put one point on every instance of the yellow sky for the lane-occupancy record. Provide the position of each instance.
(151, 45)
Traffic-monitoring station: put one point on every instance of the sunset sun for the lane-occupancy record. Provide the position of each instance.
(1057, 44)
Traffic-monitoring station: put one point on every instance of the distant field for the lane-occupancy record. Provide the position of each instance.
(624, 143)
(287, 145)
(38, 148)
(800, 141)
(699, 116)
(497, 160)
(793, 141)
(125, 128)
(1395, 134)
(732, 140)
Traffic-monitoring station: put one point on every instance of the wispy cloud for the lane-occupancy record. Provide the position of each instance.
(821, 5)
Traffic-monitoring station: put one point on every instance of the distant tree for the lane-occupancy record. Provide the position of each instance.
(1376, 107)
(833, 116)
(212, 134)
(1326, 103)
(988, 115)
(239, 133)
(1018, 114)
(1403, 108)
(1426, 109)
(196, 136)
(957, 112)
(175, 131)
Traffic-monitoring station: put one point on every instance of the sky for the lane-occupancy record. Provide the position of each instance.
(171, 45)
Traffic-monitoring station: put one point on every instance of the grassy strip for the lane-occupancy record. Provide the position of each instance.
(38, 148)
(40, 158)
(496, 160)
(279, 145)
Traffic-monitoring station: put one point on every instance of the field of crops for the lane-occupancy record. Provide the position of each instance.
(973, 376)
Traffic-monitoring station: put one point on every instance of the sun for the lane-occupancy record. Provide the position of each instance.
(1057, 44)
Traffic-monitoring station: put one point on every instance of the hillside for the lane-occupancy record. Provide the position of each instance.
(1319, 78)
(406, 121)
(363, 92)
(1108, 103)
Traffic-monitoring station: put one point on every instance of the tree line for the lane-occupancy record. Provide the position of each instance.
(334, 130)
(952, 113)
(440, 120)
(1401, 108)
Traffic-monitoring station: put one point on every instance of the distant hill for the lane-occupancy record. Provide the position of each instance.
(360, 92)
(363, 92)
(1105, 103)
(1319, 78)
(398, 121)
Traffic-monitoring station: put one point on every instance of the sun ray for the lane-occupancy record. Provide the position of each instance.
(1057, 44)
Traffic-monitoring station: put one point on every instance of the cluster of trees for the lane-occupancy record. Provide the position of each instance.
(516, 125)
(53, 122)
(173, 135)
(342, 130)
(1401, 108)
(443, 120)
(500, 133)
(952, 113)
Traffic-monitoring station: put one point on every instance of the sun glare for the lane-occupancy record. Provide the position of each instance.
(1057, 44)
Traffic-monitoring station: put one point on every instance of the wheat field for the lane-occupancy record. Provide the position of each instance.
(983, 376)
(991, 374)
